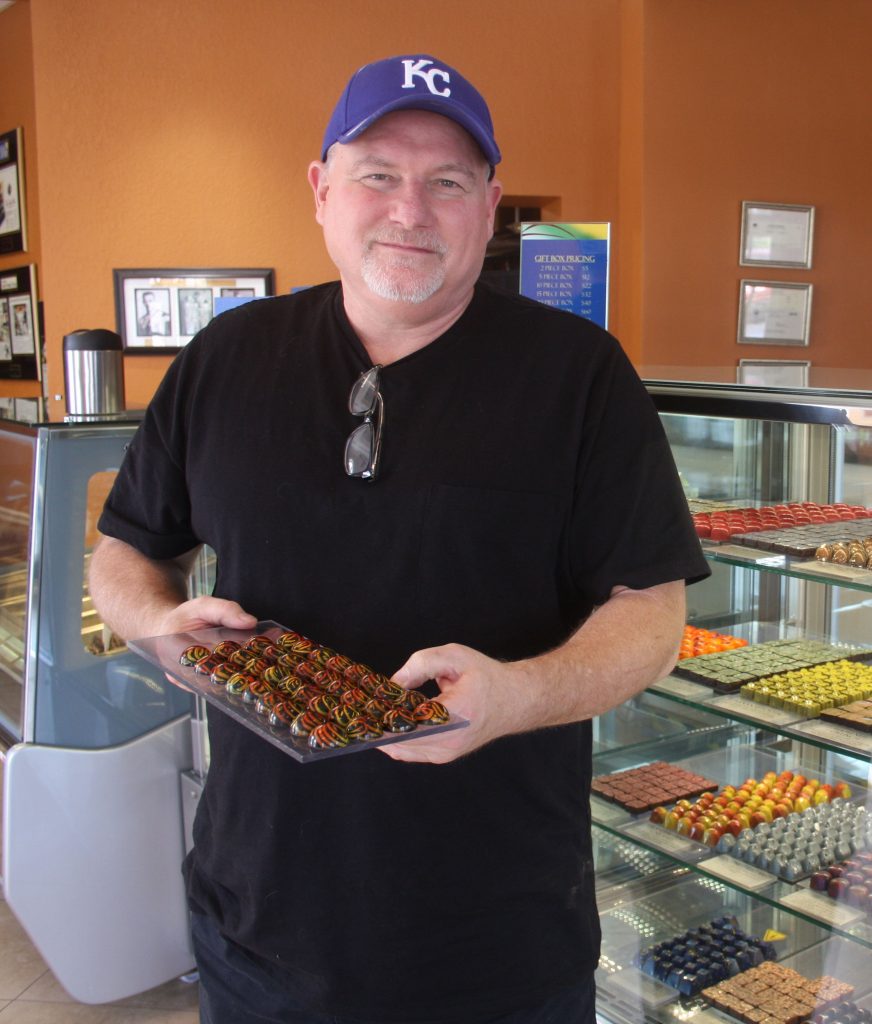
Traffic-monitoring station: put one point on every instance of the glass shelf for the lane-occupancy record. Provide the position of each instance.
(796, 568)
(732, 707)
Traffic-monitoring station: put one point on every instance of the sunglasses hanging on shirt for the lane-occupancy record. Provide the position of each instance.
(363, 446)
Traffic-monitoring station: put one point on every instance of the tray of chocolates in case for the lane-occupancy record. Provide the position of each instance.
(302, 697)
(704, 956)
(780, 523)
(728, 671)
(776, 994)
(648, 786)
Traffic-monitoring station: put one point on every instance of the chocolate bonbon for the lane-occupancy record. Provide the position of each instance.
(431, 711)
(398, 719)
(328, 735)
(191, 655)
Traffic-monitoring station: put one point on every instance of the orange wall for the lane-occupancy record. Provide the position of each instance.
(17, 110)
(177, 133)
(769, 102)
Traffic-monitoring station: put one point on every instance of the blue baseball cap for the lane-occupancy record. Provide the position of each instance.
(414, 82)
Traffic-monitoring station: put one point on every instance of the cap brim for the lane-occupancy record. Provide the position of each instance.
(437, 106)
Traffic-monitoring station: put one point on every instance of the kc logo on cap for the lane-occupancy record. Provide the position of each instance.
(415, 69)
(410, 82)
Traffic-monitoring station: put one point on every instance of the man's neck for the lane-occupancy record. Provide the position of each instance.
(391, 330)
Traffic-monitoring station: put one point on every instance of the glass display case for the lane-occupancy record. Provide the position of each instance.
(744, 718)
(95, 743)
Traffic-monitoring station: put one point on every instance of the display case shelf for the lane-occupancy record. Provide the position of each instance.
(797, 568)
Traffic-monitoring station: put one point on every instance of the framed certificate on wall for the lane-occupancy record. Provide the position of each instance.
(773, 313)
(776, 235)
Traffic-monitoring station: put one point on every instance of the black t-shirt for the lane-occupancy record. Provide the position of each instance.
(524, 473)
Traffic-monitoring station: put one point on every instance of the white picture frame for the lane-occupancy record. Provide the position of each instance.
(774, 313)
(776, 235)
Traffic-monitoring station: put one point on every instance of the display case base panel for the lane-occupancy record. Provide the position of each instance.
(165, 652)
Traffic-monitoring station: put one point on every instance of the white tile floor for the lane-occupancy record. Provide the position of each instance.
(30, 994)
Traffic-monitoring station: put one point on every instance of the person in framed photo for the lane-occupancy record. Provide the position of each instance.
(195, 309)
(464, 488)
(5, 333)
(22, 326)
(153, 312)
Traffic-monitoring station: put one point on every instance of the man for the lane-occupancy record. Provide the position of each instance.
(508, 523)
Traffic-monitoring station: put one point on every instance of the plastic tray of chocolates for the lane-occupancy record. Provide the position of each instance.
(776, 994)
(733, 810)
(304, 698)
(728, 671)
(809, 692)
(807, 541)
(697, 641)
(741, 524)
(848, 881)
(646, 787)
(704, 956)
(856, 715)
(808, 843)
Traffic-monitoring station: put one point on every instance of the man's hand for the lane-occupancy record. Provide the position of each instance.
(204, 613)
(623, 646)
(490, 694)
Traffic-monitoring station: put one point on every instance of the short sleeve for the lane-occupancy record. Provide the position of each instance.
(148, 506)
(631, 523)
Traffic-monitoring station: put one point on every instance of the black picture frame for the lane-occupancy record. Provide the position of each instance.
(20, 326)
(159, 310)
(13, 213)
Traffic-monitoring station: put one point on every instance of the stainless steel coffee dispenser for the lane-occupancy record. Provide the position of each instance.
(93, 373)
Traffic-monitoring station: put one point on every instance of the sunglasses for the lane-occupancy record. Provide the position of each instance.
(363, 446)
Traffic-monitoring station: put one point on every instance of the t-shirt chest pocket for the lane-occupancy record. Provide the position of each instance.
(489, 564)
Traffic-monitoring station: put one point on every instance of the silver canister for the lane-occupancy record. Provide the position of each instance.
(93, 374)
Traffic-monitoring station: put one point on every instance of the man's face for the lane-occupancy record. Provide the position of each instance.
(407, 209)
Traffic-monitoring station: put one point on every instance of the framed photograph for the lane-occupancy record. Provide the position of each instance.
(20, 326)
(774, 313)
(13, 227)
(776, 235)
(159, 311)
(773, 373)
(5, 332)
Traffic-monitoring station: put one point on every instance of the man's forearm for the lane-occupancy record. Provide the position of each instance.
(133, 593)
(625, 645)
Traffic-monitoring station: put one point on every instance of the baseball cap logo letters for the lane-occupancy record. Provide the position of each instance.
(416, 68)
(411, 82)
